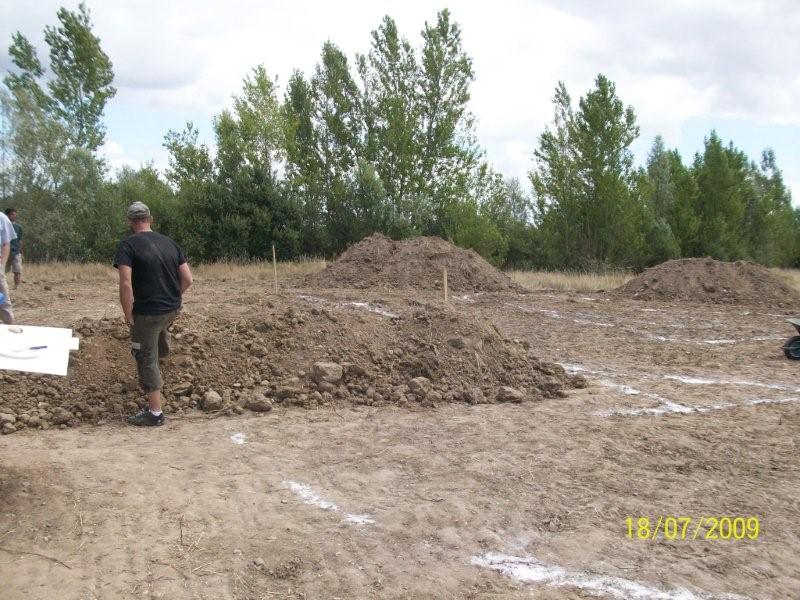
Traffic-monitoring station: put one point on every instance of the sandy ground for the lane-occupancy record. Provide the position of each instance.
(692, 411)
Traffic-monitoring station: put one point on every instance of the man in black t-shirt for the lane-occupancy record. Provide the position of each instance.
(153, 275)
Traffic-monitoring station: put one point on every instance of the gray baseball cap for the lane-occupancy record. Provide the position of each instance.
(138, 210)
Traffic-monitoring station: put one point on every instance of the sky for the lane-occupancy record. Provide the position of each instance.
(686, 66)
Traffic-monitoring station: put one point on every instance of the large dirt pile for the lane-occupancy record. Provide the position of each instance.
(711, 281)
(380, 262)
(302, 351)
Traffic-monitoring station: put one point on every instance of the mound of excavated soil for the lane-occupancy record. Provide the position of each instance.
(380, 262)
(712, 281)
(303, 351)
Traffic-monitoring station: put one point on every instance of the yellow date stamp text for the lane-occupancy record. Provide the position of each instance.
(712, 528)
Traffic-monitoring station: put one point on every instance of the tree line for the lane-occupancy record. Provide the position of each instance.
(384, 142)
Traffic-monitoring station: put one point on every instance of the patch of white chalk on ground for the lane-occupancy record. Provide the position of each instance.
(312, 299)
(239, 438)
(531, 570)
(554, 314)
(466, 298)
(374, 308)
(309, 496)
(664, 406)
(368, 306)
(704, 381)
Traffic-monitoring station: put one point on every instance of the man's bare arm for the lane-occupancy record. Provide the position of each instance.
(4, 252)
(185, 275)
(126, 292)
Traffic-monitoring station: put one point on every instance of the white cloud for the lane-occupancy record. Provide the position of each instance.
(116, 157)
(672, 61)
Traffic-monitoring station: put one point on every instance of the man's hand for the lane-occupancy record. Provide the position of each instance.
(185, 277)
(126, 292)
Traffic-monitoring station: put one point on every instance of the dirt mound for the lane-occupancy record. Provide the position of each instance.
(305, 351)
(711, 281)
(380, 262)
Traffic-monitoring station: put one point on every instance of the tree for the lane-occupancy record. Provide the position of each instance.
(555, 187)
(658, 191)
(54, 129)
(720, 201)
(24, 57)
(771, 231)
(683, 218)
(189, 161)
(659, 175)
(390, 76)
(601, 136)
(303, 168)
(447, 147)
(235, 206)
(582, 182)
(338, 137)
(82, 76)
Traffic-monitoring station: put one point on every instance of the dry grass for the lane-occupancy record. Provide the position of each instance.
(96, 272)
(592, 282)
(68, 271)
(790, 276)
(256, 271)
(262, 271)
(566, 281)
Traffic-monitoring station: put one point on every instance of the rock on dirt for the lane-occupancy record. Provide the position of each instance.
(211, 401)
(258, 402)
(379, 261)
(327, 371)
(61, 416)
(182, 389)
(711, 281)
(474, 395)
(509, 394)
(419, 386)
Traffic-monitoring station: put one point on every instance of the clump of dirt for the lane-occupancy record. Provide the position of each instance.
(303, 351)
(380, 262)
(711, 281)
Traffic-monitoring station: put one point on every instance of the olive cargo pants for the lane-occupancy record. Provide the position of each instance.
(148, 343)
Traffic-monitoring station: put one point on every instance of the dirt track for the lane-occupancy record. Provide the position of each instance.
(553, 479)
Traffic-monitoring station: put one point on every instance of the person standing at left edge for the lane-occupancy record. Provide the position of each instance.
(16, 247)
(7, 235)
(153, 275)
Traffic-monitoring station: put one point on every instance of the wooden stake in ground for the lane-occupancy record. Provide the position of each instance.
(275, 268)
(444, 280)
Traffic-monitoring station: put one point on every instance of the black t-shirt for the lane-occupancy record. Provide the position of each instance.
(154, 259)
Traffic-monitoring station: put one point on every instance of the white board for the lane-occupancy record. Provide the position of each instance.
(21, 349)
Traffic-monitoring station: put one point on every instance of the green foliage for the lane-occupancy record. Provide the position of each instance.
(80, 84)
(582, 182)
(82, 77)
(52, 173)
(234, 206)
(473, 229)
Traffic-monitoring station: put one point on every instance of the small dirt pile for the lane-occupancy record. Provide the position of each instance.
(711, 281)
(305, 351)
(380, 262)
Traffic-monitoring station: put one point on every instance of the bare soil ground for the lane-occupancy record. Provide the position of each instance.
(691, 411)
